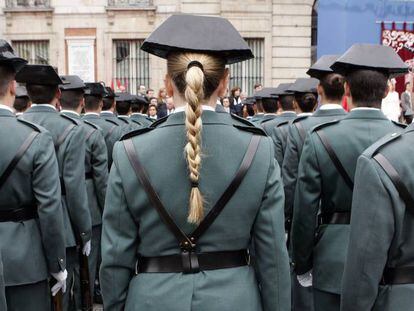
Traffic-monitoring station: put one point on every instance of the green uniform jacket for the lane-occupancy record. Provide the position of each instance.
(320, 186)
(131, 226)
(71, 159)
(3, 302)
(111, 130)
(96, 168)
(256, 119)
(31, 249)
(381, 229)
(142, 119)
(294, 146)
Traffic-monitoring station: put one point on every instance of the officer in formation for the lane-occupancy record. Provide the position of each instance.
(22, 101)
(326, 173)
(267, 100)
(32, 243)
(138, 106)
(164, 249)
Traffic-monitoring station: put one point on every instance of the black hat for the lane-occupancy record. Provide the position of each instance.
(38, 74)
(72, 83)
(304, 85)
(322, 66)
(202, 34)
(124, 97)
(8, 57)
(282, 89)
(266, 92)
(249, 101)
(373, 57)
(109, 93)
(21, 92)
(95, 89)
(139, 99)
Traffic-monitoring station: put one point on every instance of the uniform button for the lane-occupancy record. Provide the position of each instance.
(83, 233)
(192, 239)
(394, 134)
(61, 260)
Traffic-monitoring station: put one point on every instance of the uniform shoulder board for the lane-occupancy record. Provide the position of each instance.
(299, 119)
(136, 133)
(323, 125)
(240, 119)
(375, 148)
(123, 120)
(74, 121)
(137, 122)
(252, 129)
(158, 122)
(29, 124)
(399, 124)
(111, 121)
(282, 123)
(91, 124)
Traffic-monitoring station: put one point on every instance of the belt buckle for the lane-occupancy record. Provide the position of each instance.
(189, 258)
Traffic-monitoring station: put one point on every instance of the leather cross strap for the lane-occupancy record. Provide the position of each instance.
(63, 136)
(400, 275)
(396, 180)
(335, 160)
(301, 130)
(182, 238)
(20, 152)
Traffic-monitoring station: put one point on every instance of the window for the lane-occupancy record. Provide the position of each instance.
(130, 65)
(126, 3)
(247, 74)
(314, 38)
(35, 52)
(27, 3)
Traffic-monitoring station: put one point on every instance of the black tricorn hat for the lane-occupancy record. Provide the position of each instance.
(8, 57)
(323, 66)
(266, 92)
(109, 93)
(139, 99)
(124, 97)
(304, 85)
(282, 89)
(72, 82)
(202, 34)
(38, 74)
(249, 101)
(95, 89)
(21, 92)
(373, 57)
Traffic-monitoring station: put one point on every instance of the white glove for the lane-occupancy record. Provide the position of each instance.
(60, 277)
(87, 248)
(305, 279)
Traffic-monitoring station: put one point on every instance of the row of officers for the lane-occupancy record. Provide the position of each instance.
(204, 210)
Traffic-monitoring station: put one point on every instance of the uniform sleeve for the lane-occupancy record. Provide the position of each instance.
(119, 243)
(100, 167)
(278, 145)
(372, 230)
(46, 189)
(290, 174)
(271, 258)
(306, 206)
(75, 185)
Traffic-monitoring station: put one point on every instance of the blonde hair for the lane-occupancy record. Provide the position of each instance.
(196, 84)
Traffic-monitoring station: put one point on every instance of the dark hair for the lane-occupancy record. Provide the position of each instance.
(286, 102)
(108, 103)
(123, 107)
(257, 85)
(92, 102)
(250, 110)
(41, 94)
(149, 90)
(367, 87)
(21, 104)
(306, 101)
(333, 86)
(71, 99)
(225, 97)
(152, 105)
(269, 105)
(233, 90)
(7, 75)
(137, 106)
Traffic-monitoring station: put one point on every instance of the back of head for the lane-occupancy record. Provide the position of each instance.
(92, 103)
(286, 102)
(71, 99)
(333, 87)
(196, 77)
(41, 94)
(21, 104)
(269, 105)
(7, 75)
(137, 106)
(306, 101)
(108, 103)
(367, 87)
(123, 107)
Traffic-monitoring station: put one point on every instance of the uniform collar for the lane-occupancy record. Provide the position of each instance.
(74, 113)
(91, 114)
(41, 108)
(304, 114)
(44, 105)
(366, 113)
(208, 117)
(107, 112)
(204, 107)
(4, 107)
(330, 107)
(331, 111)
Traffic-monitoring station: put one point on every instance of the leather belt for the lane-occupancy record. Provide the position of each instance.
(89, 175)
(190, 262)
(23, 213)
(337, 218)
(394, 276)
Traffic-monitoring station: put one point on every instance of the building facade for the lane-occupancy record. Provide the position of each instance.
(100, 39)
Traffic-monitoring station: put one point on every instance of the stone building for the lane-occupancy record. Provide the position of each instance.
(100, 39)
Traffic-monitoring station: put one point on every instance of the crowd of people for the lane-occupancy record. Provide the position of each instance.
(295, 198)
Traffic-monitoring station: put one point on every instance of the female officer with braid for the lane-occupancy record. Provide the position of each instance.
(172, 238)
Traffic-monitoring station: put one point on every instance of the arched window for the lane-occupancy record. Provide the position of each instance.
(314, 35)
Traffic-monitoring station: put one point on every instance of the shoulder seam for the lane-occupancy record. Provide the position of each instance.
(29, 124)
(323, 125)
(70, 119)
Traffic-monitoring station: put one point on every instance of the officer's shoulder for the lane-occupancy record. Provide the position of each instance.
(401, 125)
(387, 140)
(144, 130)
(111, 121)
(300, 119)
(90, 124)
(324, 125)
(245, 125)
(283, 123)
(31, 125)
(74, 121)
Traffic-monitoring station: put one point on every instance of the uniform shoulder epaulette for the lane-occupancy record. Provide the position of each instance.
(111, 121)
(137, 122)
(399, 124)
(91, 124)
(252, 129)
(375, 148)
(136, 133)
(283, 123)
(300, 118)
(123, 120)
(30, 124)
(240, 119)
(74, 121)
(158, 122)
(323, 125)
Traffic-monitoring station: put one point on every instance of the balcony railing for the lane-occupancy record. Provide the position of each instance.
(130, 3)
(27, 4)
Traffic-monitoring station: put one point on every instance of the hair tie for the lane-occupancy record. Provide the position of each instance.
(194, 184)
(195, 63)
